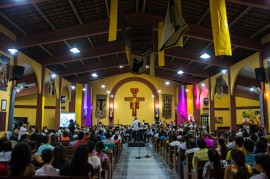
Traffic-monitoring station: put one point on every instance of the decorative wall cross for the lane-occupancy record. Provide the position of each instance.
(134, 100)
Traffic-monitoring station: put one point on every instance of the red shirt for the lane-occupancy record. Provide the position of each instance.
(78, 143)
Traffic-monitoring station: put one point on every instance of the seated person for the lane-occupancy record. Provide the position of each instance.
(65, 136)
(209, 142)
(80, 140)
(238, 145)
(262, 164)
(239, 167)
(202, 153)
(5, 154)
(175, 142)
(108, 142)
(3, 170)
(92, 158)
(46, 144)
(214, 162)
(116, 139)
(248, 151)
(47, 169)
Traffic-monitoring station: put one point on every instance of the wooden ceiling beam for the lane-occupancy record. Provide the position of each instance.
(242, 93)
(134, 19)
(261, 4)
(13, 3)
(176, 66)
(159, 72)
(193, 56)
(104, 74)
(94, 67)
(84, 54)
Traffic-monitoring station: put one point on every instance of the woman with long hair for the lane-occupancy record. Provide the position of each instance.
(54, 139)
(262, 165)
(79, 165)
(222, 148)
(20, 162)
(239, 167)
(59, 157)
(213, 163)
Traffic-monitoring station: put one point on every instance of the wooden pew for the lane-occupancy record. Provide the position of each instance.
(70, 151)
(172, 157)
(65, 143)
(188, 165)
(196, 173)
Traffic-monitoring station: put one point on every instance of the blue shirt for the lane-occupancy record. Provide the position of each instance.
(44, 146)
(250, 160)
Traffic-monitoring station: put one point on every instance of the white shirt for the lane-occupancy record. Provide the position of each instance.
(174, 143)
(135, 125)
(48, 170)
(95, 161)
(22, 131)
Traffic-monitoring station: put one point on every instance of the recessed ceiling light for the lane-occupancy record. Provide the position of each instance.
(12, 50)
(121, 66)
(94, 75)
(223, 71)
(103, 86)
(84, 89)
(73, 87)
(75, 50)
(251, 89)
(159, 91)
(187, 90)
(53, 75)
(205, 56)
(147, 66)
(167, 83)
(108, 92)
(180, 72)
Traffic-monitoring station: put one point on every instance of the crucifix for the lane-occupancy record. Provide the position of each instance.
(134, 100)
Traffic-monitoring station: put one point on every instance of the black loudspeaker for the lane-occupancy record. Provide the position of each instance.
(18, 72)
(260, 74)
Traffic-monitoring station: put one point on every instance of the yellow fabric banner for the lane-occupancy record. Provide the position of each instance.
(161, 57)
(220, 28)
(113, 20)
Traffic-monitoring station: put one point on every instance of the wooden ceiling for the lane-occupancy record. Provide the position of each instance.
(47, 29)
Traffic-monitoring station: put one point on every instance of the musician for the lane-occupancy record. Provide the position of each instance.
(135, 128)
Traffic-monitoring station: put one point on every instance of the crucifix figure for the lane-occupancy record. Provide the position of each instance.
(134, 100)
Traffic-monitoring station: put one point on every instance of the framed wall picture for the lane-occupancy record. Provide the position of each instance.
(4, 72)
(3, 105)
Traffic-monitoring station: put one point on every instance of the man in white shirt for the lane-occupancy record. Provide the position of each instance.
(22, 130)
(135, 128)
(47, 168)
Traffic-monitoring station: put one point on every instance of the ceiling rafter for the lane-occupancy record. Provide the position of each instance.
(44, 16)
(102, 26)
(93, 67)
(261, 4)
(75, 11)
(84, 54)
(159, 72)
(46, 50)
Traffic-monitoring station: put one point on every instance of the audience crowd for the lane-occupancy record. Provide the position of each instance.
(26, 151)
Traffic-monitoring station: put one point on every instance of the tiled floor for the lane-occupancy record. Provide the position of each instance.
(154, 167)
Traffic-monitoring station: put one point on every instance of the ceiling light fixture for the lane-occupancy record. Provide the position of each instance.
(94, 75)
(167, 83)
(53, 75)
(180, 72)
(84, 89)
(202, 84)
(12, 50)
(75, 50)
(103, 86)
(73, 87)
(187, 90)
(223, 71)
(147, 66)
(205, 56)
(121, 66)
(159, 91)
(153, 96)
(108, 92)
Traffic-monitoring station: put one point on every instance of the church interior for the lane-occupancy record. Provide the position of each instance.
(108, 62)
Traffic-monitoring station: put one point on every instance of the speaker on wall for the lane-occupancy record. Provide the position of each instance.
(260, 74)
(18, 72)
